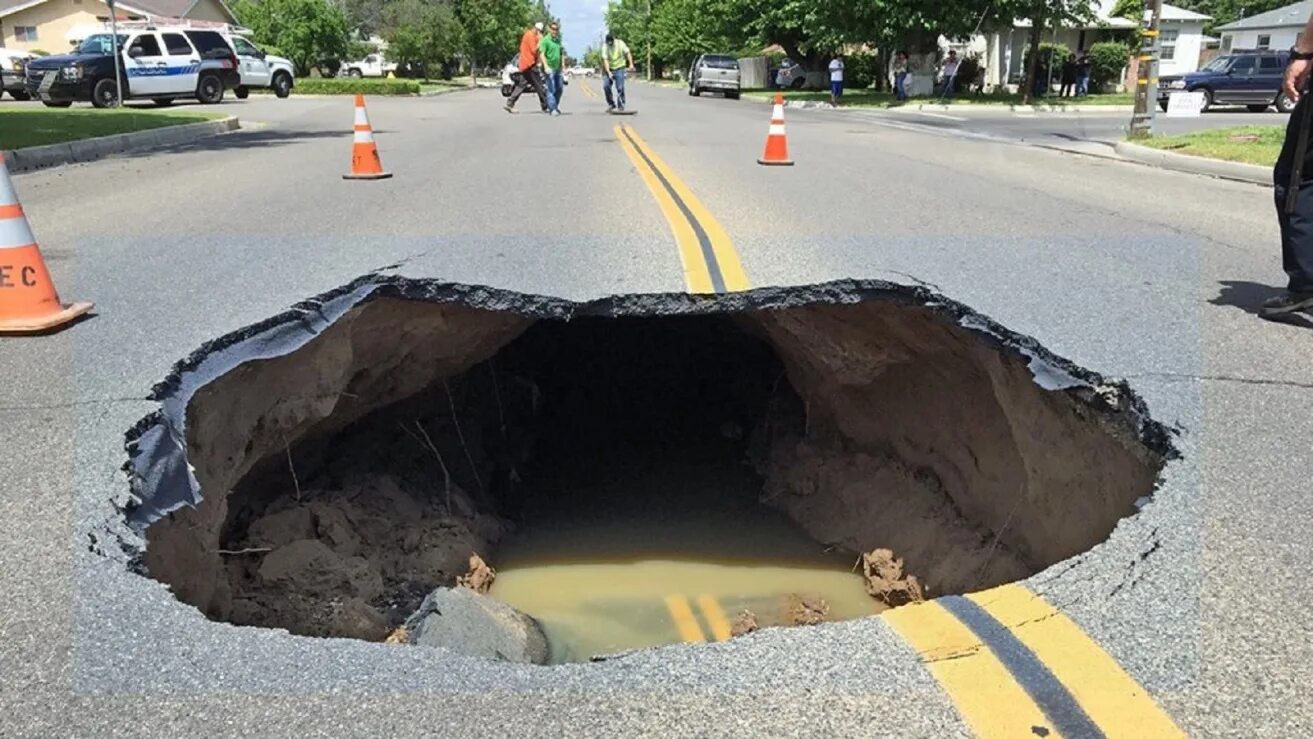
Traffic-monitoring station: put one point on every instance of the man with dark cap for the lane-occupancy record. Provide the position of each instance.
(1293, 178)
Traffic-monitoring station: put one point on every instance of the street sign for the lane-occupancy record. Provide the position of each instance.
(1185, 104)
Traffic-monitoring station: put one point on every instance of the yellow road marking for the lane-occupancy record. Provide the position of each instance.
(1111, 698)
(720, 628)
(726, 256)
(685, 621)
(982, 689)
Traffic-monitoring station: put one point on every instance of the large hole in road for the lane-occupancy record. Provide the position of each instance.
(638, 472)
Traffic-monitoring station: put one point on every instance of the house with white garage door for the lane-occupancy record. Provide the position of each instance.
(1275, 29)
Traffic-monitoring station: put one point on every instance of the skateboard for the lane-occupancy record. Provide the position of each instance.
(622, 112)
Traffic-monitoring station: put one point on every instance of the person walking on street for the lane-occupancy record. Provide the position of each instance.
(529, 74)
(949, 72)
(1293, 180)
(900, 76)
(1084, 65)
(1068, 77)
(617, 60)
(549, 49)
(836, 78)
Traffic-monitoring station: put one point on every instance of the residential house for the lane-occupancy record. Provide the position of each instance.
(1275, 29)
(1003, 53)
(53, 25)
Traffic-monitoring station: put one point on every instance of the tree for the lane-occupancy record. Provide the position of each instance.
(307, 31)
(492, 28)
(683, 29)
(422, 34)
(593, 57)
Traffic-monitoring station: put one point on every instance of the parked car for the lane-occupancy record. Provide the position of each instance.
(1249, 78)
(12, 63)
(158, 64)
(791, 75)
(714, 73)
(373, 65)
(260, 70)
(582, 71)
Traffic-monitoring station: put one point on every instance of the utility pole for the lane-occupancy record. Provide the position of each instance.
(649, 40)
(1146, 83)
(118, 53)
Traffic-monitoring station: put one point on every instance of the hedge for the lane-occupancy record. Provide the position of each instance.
(1107, 62)
(337, 86)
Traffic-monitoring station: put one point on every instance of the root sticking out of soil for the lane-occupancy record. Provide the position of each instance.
(325, 470)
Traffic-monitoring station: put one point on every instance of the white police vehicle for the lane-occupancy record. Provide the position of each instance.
(260, 70)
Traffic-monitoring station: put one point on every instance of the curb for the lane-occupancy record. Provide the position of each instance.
(90, 150)
(1251, 173)
(961, 108)
(435, 93)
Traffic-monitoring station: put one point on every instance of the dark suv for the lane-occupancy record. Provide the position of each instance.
(1249, 78)
(159, 64)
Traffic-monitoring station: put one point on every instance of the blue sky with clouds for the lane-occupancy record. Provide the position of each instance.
(582, 21)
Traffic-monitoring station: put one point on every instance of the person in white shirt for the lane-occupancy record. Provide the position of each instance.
(950, 75)
(836, 78)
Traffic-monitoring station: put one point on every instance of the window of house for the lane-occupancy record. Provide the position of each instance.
(1226, 42)
(25, 33)
(1264, 41)
(1168, 38)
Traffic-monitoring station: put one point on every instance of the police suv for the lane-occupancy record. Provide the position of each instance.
(160, 64)
(261, 70)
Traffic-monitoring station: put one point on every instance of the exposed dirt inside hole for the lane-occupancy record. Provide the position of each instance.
(345, 480)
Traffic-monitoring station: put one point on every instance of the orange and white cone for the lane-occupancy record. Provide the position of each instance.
(28, 301)
(777, 143)
(365, 164)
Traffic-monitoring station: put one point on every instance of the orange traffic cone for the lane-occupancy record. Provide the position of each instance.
(28, 302)
(777, 144)
(365, 164)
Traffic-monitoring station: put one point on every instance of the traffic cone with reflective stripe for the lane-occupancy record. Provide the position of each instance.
(365, 164)
(28, 301)
(777, 144)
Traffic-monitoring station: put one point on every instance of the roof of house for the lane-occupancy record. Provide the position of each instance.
(1173, 13)
(1292, 15)
(170, 8)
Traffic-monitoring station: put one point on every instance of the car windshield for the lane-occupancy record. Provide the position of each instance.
(720, 62)
(1218, 65)
(99, 43)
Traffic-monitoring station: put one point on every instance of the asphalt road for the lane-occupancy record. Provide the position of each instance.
(1203, 598)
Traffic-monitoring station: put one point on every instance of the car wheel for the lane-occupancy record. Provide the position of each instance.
(1285, 104)
(20, 95)
(282, 84)
(56, 103)
(162, 102)
(732, 95)
(210, 89)
(105, 93)
(697, 92)
(354, 74)
(241, 92)
(1208, 99)
(1163, 104)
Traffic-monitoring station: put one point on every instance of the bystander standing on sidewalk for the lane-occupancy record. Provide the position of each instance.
(1293, 180)
(1084, 65)
(1068, 77)
(949, 73)
(900, 76)
(549, 49)
(836, 78)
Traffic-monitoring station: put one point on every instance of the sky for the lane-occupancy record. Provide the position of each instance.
(582, 21)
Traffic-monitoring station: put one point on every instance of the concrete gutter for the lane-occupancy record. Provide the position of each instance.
(89, 150)
(1253, 173)
(965, 108)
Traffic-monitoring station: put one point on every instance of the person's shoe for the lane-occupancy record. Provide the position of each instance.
(556, 113)
(508, 108)
(609, 107)
(1289, 302)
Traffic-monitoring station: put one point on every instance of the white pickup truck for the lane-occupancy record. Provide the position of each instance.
(373, 65)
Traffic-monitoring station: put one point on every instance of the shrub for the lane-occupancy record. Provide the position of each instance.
(859, 71)
(347, 86)
(1108, 60)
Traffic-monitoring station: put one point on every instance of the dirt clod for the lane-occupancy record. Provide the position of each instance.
(885, 580)
(399, 635)
(807, 609)
(480, 576)
(745, 623)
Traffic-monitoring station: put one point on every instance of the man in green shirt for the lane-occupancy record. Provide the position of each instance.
(616, 61)
(549, 52)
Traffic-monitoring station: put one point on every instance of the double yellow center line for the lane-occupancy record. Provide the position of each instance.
(711, 264)
(687, 623)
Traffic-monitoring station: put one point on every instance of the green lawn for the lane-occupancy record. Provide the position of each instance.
(38, 126)
(1248, 144)
(872, 98)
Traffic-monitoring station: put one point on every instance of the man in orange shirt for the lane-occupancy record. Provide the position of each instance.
(529, 70)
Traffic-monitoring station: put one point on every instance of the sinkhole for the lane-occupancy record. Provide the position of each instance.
(639, 471)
